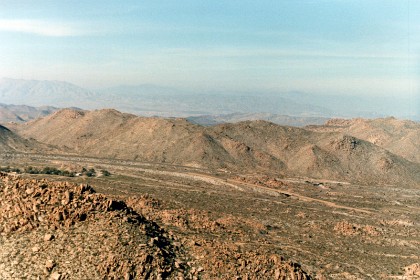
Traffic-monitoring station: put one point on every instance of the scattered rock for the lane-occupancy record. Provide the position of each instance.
(49, 265)
(89, 231)
(412, 270)
(55, 276)
(94, 231)
(48, 237)
(350, 229)
(35, 249)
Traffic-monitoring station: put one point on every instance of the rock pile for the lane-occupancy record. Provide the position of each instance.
(58, 230)
(350, 229)
(412, 271)
(221, 248)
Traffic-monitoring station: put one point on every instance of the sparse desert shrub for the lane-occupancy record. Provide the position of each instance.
(31, 170)
(46, 170)
(67, 173)
(51, 171)
(105, 173)
(9, 169)
(90, 173)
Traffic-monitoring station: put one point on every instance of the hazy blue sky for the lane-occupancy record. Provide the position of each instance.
(354, 46)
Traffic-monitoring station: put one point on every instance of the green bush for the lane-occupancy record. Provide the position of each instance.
(53, 171)
(105, 173)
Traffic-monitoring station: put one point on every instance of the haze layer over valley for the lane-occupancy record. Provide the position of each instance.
(193, 140)
(212, 106)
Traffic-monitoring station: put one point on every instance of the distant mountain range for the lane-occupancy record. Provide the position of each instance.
(148, 100)
(151, 100)
(42, 93)
(23, 113)
(208, 120)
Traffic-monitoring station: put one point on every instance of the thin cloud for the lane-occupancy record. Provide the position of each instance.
(285, 53)
(42, 28)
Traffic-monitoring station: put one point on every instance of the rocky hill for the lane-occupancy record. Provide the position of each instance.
(10, 142)
(100, 237)
(401, 137)
(252, 145)
(111, 134)
(323, 155)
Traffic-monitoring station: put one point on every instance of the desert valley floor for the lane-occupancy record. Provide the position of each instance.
(235, 225)
(163, 198)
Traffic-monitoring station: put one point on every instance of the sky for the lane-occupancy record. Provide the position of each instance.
(362, 47)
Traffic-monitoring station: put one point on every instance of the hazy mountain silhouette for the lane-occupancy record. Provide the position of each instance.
(208, 120)
(22, 113)
(152, 100)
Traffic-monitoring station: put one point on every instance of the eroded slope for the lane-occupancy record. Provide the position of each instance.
(10, 142)
(401, 137)
(58, 230)
(253, 145)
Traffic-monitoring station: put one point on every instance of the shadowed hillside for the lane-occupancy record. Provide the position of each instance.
(401, 137)
(251, 145)
(10, 142)
(322, 155)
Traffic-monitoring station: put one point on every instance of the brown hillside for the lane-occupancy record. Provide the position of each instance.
(109, 133)
(9, 116)
(401, 137)
(101, 238)
(323, 155)
(10, 142)
(251, 145)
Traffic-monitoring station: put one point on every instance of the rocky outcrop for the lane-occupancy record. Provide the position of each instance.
(59, 230)
(412, 271)
(400, 137)
(65, 231)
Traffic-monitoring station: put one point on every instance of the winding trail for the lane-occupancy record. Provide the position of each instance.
(302, 197)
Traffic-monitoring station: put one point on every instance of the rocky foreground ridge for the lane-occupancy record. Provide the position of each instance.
(70, 232)
(58, 230)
